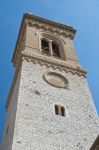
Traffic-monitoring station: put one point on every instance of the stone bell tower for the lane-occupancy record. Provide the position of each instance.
(49, 106)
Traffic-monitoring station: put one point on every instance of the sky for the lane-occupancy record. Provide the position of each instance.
(83, 15)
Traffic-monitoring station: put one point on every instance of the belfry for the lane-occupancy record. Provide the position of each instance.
(49, 106)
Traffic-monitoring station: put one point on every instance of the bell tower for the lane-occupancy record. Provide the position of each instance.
(49, 106)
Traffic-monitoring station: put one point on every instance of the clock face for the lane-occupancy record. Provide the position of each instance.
(56, 79)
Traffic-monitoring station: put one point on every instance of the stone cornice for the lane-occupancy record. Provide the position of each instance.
(51, 26)
(54, 63)
(50, 23)
(51, 29)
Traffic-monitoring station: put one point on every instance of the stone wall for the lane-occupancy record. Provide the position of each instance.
(10, 119)
(38, 128)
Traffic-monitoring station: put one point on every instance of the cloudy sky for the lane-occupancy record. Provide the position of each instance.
(83, 15)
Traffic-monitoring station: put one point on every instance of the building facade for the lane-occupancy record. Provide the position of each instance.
(49, 106)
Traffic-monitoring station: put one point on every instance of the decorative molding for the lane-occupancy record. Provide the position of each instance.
(54, 63)
(31, 19)
(56, 79)
(51, 29)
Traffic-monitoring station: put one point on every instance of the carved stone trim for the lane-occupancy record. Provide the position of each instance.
(44, 27)
(51, 24)
(56, 79)
(54, 63)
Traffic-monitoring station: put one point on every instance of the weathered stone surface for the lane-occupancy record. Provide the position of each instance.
(10, 119)
(36, 125)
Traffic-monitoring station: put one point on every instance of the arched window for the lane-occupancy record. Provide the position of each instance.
(59, 110)
(55, 50)
(44, 46)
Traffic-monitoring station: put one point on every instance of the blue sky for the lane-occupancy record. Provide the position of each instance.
(81, 14)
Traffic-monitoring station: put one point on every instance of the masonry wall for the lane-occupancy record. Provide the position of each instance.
(10, 118)
(36, 125)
